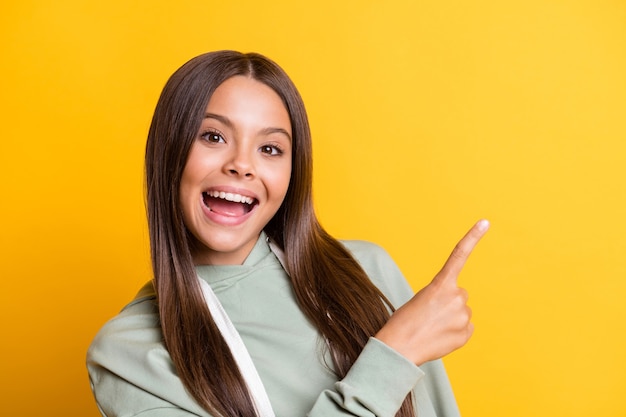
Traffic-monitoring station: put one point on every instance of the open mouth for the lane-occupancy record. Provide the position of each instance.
(228, 204)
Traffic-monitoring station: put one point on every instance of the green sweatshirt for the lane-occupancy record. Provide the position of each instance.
(132, 374)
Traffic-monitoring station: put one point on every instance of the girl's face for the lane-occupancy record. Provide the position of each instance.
(237, 171)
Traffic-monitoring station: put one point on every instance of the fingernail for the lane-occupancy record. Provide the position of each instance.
(483, 225)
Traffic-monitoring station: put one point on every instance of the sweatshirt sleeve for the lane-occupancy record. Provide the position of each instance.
(376, 385)
(432, 393)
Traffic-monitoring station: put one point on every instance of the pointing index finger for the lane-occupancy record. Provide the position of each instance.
(453, 266)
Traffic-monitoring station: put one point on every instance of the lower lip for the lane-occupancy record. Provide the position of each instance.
(222, 219)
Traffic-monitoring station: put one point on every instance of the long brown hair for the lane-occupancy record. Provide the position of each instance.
(330, 286)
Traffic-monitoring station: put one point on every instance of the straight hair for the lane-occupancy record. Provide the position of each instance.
(330, 286)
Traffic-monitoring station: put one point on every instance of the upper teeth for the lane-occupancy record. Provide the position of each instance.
(237, 198)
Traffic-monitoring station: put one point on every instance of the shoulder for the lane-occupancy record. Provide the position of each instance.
(138, 320)
(132, 335)
(136, 328)
(381, 269)
(372, 257)
(130, 369)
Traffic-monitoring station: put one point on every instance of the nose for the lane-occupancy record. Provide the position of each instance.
(240, 163)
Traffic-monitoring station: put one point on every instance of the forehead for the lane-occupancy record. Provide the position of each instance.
(238, 90)
(249, 104)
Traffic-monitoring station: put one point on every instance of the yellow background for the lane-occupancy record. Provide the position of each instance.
(426, 115)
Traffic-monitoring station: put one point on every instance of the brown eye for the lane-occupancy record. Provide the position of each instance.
(271, 150)
(213, 137)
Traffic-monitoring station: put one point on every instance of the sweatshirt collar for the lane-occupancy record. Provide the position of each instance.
(216, 273)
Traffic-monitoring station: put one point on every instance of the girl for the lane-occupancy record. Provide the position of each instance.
(254, 309)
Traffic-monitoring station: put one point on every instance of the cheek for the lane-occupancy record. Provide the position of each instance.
(185, 202)
(282, 182)
(187, 193)
(184, 190)
(277, 183)
(195, 170)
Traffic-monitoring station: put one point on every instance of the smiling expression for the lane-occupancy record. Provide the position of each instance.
(237, 172)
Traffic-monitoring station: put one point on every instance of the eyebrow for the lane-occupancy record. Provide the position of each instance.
(230, 124)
